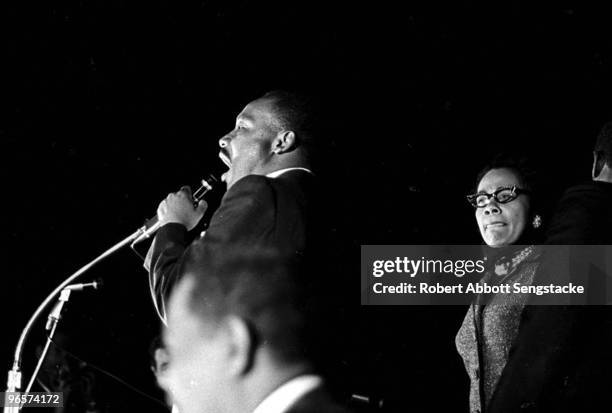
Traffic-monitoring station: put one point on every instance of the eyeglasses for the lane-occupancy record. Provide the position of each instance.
(501, 196)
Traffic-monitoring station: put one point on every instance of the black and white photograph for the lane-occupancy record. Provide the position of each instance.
(306, 207)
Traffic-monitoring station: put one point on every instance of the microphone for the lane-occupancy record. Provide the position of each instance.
(78, 287)
(56, 312)
(152, 225)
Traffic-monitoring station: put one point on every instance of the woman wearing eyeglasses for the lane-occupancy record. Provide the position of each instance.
(504, 203)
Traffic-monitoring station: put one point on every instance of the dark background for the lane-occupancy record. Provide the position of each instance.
(106, 106)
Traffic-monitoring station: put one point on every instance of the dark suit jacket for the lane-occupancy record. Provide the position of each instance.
(317, 401)
(562, 357)
(583, 216)
(256, 212)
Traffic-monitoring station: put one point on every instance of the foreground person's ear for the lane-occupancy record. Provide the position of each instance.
(240, 345)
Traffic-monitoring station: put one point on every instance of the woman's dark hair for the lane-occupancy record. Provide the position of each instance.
(522, 167)
(518, 164)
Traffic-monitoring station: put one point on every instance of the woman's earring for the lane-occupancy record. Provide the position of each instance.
(537, 221)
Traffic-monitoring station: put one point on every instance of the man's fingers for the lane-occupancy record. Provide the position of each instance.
(202, 206)
(186, 190)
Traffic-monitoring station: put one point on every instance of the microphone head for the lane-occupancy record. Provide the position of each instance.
(97, 284)
(212, 180)
(209, 182)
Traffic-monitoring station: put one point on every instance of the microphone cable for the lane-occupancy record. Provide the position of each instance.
(111, 375)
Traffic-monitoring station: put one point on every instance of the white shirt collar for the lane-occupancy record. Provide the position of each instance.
(281, 399)
(276, 174)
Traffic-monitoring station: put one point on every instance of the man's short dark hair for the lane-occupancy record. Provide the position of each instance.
(296, 112)
(603, 144)
(267, 290)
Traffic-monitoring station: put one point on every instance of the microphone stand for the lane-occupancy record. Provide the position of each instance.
(14, 375)
(54, 317)
(144, 232)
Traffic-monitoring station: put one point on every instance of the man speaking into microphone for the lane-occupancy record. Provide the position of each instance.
(269, 198)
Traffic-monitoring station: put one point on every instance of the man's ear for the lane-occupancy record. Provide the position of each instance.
(285, 141)
(241, 346)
